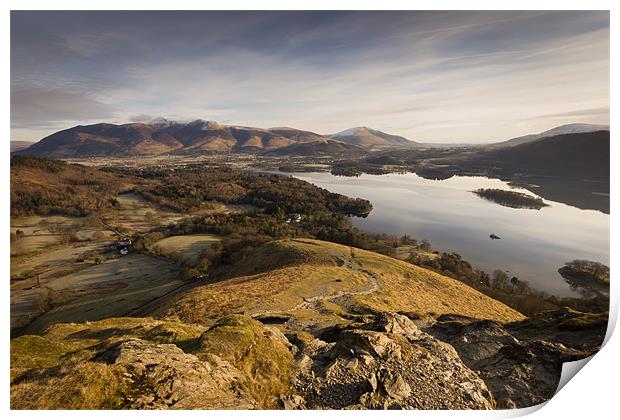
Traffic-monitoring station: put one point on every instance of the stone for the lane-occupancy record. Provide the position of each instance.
(393, 357)
(164, 376)
(395, 386)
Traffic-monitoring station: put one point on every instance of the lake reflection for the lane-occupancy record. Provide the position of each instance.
(534, 244)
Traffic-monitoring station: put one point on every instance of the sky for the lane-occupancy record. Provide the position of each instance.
(446, 76)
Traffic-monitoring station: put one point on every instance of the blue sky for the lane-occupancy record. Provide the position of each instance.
(449, 76)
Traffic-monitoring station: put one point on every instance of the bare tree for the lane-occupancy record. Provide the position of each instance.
(499, 280)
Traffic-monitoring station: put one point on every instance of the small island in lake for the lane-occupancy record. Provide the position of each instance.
(512, 199)
(590, 276)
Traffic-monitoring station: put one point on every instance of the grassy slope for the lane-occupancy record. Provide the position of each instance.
(60, 340)
(57, 369)
(282, 275)
(187, 247)
(253, 349)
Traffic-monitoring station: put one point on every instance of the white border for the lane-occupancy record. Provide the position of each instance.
(592, 395)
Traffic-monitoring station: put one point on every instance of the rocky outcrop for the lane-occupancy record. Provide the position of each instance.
(520, 363)
(387, 363)
(383, 361)
(370, 361)
(162, 376)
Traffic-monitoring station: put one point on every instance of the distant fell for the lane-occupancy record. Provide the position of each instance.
(165, 137)
(318, 148)
(574, 128)
(368, 137)
(582, 156)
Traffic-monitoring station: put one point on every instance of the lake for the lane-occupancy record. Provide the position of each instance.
(533, 244)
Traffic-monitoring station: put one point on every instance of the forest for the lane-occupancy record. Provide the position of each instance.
(45, 187)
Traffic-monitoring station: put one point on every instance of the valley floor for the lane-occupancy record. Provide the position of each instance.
(68, 269)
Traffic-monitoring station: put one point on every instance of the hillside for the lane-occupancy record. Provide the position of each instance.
(164, 137)
(318, 148)
(369, 138)
(574, 128)
(299, 135)
(306, 324)
(257, 321)
(583, 156)
(44, 186)
(305, 279)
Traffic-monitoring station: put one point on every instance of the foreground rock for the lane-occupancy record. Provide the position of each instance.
(163, 376)
(372, 361)
(521, 363)
(388, 363)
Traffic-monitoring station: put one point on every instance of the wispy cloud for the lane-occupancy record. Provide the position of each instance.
(432, 76)
(578, 113)
(44, 107)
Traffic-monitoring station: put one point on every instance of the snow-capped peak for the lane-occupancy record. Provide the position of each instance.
(349, 132)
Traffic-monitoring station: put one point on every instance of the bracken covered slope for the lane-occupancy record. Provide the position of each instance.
(323, 281)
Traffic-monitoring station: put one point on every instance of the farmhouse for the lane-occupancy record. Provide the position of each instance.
(123, 246)
(293, 218)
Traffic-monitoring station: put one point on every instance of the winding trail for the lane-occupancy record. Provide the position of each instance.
(311, 303)
(347, 261)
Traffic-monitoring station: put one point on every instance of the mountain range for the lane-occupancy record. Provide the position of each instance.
(199, 136)
(204, 137)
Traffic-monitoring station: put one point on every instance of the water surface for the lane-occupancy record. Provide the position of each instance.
(534, 244)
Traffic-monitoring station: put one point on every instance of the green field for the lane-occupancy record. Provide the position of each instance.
(137, 214)
(66, 269)
(63, 253)
(187, 248)
(38, 233)
(110, 289)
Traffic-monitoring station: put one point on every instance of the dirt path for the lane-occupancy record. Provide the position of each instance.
(110, 227)
(313, 302)
(344, 260)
